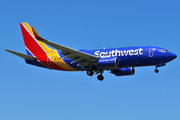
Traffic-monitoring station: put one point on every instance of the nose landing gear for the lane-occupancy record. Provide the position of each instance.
(159, 65)
(156, 70)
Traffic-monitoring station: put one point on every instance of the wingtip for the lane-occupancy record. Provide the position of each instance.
(6, 49)
(37, 36)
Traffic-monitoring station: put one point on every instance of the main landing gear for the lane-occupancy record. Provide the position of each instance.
(91, 73)
(100, 77)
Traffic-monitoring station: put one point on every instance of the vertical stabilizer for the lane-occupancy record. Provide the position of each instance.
(38, 49)
(33, 46)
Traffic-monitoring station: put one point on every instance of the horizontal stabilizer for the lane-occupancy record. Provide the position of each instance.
(27, 57)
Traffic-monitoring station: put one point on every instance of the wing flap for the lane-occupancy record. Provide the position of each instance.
(70, 51)
(22, 55)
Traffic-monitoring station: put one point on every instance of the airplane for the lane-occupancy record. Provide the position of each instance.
(119, 61)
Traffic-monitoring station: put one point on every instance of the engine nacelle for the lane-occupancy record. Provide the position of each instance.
(124, 71)
(108, 62)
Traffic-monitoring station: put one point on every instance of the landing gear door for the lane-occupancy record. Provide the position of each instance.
(151, 52)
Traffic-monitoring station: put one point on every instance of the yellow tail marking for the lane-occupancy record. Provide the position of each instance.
(50, 52)
(54, 55)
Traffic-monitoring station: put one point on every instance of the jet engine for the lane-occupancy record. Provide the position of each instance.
(108, 62)
(124, 71)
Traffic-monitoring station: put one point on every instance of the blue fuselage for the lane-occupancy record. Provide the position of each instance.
(131, 56)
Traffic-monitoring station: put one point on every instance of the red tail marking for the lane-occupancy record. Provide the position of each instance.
(36, 50)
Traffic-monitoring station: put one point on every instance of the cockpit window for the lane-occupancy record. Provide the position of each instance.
(163, 50)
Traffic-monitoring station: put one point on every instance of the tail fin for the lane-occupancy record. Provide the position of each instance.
(33, 46)
(38, 49)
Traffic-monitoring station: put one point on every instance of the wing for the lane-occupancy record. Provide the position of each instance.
(84, 59)
(22, 55)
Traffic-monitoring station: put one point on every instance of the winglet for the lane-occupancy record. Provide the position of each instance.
(37, 36)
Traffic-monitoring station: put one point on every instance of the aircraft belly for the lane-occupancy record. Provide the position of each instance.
(135, 61)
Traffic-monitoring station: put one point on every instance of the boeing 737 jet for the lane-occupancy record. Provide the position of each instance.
(119, 61)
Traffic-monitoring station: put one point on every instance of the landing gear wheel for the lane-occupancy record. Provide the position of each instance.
(156, 70)
(90, 72)
(100, 77)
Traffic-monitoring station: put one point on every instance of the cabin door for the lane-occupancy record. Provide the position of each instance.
(151, 52)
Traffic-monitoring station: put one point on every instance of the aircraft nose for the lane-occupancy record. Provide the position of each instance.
(172, 56)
